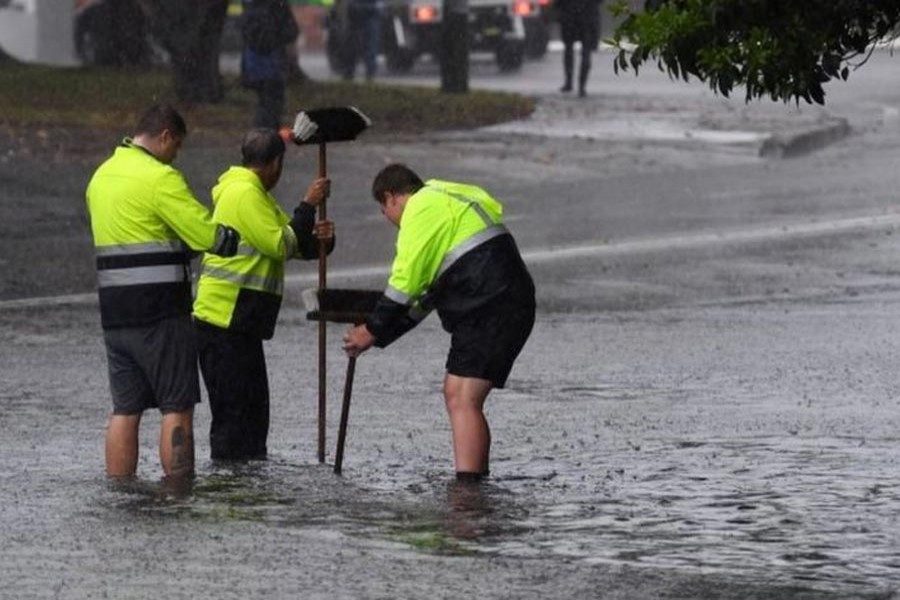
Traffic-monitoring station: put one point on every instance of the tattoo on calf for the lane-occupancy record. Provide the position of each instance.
(182, 448)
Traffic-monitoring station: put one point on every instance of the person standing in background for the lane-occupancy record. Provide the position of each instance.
(579, 21)
(363, 37)
(267, 27)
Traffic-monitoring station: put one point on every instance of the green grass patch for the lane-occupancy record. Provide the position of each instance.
(113, 99)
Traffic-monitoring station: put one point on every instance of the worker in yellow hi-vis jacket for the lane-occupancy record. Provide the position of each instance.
(455, 255)
(238, 298)
(146, 225)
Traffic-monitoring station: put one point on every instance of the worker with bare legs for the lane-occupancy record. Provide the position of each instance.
(453, 255)
(146, 225)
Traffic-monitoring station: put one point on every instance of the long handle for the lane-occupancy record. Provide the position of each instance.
(323, 268)
(345, 414)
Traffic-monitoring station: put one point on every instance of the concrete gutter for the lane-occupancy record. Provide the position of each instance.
(797, 143)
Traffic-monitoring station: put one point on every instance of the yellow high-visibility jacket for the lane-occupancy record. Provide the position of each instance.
(145, 222)
(243, 293)
(453, 254)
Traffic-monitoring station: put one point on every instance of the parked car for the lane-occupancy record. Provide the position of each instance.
(411, 28)
(112, 32)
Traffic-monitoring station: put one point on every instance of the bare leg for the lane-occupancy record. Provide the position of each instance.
(122, 445)
(176, 443)
(464, 398)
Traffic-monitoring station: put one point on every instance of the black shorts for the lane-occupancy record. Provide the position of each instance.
(486, 344)
(153, 366)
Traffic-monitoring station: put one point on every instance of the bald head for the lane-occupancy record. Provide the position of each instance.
(263, 153)
(261, 147)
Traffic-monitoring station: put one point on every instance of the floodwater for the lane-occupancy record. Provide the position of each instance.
(681, 425)
(683, 453)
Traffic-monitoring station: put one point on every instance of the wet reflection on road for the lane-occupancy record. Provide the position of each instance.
(733, 506)
(677, 461)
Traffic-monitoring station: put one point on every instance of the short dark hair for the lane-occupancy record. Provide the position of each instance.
(160, 117)
(395, 178)
(260, 147)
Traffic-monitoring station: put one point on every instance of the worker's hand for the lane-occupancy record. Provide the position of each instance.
(318, 191)
(357, 340)
(324, 230)
(303, 128)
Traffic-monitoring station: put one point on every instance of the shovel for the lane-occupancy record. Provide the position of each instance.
(322, 126)
(341, 306)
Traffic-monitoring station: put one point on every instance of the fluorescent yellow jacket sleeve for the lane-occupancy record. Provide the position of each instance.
(177, 207)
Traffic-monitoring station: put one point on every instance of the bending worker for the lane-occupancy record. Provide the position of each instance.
(145, 221)
(454, 255)
(238, 298)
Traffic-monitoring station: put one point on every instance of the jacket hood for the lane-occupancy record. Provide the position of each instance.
(236, 176)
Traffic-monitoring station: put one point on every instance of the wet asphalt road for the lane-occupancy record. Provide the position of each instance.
(707, 408)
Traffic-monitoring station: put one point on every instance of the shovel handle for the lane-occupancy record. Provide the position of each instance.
(323, 215)
(323, 267)
(345, 414)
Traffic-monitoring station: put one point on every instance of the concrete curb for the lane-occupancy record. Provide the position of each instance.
(789, 145)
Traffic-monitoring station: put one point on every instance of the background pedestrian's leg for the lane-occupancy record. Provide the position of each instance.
(464, 398)
(176, 443)
(122, 445)
(353, 47)
(373, 27)
(584, 69)
(568, 67)
(270, 104)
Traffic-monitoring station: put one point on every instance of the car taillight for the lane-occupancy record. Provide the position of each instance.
(425, 14)
(522, 8)
(544, 3)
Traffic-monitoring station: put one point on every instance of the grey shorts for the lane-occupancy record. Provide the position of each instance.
(153, 366)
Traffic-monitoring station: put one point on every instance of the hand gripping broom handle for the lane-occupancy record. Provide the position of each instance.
(323, 267)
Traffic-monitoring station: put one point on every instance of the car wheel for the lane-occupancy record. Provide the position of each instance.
(510, 55)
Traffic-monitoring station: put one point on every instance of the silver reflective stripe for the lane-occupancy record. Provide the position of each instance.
(471, 243)
(291, 245)
(397, 296)
(266, 284)
(145, 248)
(247, 251)
(473, 203)
(141, 275)
(482, 213)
